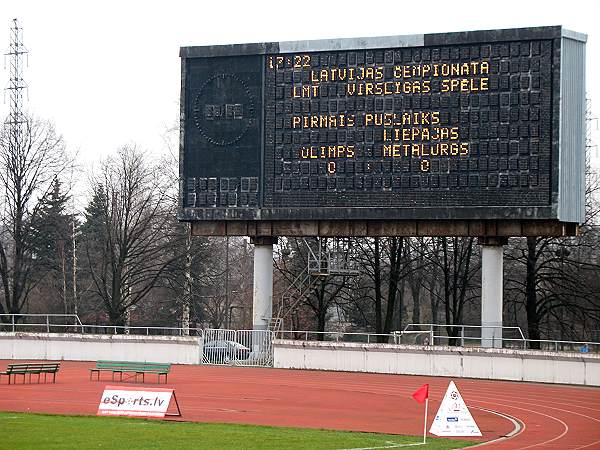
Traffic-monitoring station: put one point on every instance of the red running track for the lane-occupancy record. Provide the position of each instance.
(548, 416)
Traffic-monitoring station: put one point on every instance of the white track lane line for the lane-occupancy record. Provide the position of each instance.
(519, 427)
(547, 407)
(493, 399)
(587, 445)
(565, 426)
(570, 400)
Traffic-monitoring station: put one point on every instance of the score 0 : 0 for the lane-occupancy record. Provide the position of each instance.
(424, 166)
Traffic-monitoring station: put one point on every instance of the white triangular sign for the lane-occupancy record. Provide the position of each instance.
(453, 418)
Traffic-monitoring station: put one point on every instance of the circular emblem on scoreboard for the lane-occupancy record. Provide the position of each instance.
(224, 109)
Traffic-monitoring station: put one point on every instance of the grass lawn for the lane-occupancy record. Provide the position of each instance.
(39, 431)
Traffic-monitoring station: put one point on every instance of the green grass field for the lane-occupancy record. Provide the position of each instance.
(39, 431)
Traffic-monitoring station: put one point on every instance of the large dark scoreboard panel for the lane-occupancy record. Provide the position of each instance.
(460, 125)
(441, 133)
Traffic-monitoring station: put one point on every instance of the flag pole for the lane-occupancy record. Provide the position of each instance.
(425, 422)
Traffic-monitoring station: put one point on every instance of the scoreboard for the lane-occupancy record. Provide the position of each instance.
(472, 126)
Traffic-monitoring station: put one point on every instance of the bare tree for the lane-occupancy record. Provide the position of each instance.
(28, 165)
(554, 279)
(455, 261)
(128, 237)
(384, 266)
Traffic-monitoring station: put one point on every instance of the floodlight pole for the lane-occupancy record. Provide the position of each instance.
(492, 275)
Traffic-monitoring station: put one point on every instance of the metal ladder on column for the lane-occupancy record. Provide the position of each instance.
(325, 258)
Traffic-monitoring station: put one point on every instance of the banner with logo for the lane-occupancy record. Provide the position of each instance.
(136, 402)
(453, 418)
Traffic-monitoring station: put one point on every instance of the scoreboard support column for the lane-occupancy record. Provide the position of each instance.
(262, 301)
(492, 275)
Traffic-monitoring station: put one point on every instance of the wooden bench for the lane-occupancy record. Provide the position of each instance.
(23, 369)
(131, 367)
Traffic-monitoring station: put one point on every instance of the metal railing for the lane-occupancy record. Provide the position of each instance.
(342, 336)
(518, 340)
(431, 337)
(19, 322)
(464, 334)
(414, 333)
(70, 323)
(141, 331)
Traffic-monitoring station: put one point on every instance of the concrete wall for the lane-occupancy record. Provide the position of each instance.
(167, 349)
(498, 364)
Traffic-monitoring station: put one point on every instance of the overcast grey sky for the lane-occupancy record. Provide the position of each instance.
(107, 73)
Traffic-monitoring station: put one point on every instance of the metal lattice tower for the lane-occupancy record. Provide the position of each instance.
(16, 86)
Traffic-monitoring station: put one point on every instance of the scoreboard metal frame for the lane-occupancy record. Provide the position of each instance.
(476, 133)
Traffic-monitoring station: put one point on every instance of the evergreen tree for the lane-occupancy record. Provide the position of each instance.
(95, 214)
(28, 168)
(127, 234)
(52, 248)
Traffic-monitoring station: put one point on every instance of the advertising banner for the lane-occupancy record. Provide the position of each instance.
(136, 402)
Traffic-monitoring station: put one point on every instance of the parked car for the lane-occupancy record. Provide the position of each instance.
(224, 352)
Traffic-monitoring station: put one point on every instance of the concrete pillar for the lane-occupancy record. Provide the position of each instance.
(492, 275)
(262, 303)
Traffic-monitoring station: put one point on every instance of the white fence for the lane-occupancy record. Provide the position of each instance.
(224, 347)
(79, 347)
(237, 347)
(485, 363)
(500, 364)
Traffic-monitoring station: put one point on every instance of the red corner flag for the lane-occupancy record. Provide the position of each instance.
(421, 394)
